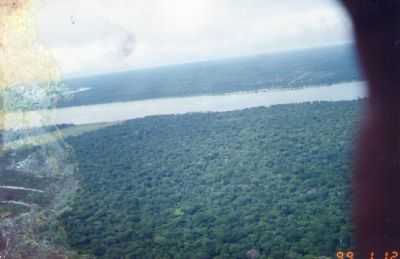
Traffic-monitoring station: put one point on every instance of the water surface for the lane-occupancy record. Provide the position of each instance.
(120, 111)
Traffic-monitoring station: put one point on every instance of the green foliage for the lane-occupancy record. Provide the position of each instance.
(294, 69)
(215, 185)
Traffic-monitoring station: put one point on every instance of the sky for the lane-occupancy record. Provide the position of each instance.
(98, 36)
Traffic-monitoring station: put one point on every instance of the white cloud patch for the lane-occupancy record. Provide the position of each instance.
(100, 35)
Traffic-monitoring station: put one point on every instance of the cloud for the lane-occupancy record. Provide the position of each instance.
(100, 35)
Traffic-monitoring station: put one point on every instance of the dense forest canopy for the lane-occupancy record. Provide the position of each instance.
(268, 181)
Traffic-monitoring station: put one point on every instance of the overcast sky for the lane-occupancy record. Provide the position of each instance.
(95, 36)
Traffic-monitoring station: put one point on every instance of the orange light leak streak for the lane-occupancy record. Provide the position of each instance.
(22, 59)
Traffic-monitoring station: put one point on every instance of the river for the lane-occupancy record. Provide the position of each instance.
(120, 111)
